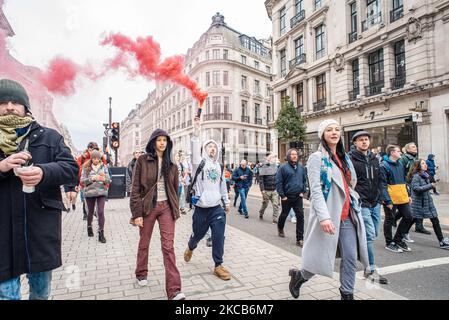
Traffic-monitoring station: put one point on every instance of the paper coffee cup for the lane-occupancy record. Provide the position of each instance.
(17, 171)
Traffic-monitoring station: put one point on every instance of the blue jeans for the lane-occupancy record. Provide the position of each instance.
(243, 192)
(372, 219)
(215, 219)
(40, 287)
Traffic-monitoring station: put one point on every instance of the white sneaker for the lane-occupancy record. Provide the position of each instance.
(142, 283)
(293, 220)
(179, 296)
(407, 238)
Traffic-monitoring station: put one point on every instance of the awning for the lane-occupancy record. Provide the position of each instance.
(376, 124)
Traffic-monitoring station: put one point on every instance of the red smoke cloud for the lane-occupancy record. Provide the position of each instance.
(60, 76)
(147, 53)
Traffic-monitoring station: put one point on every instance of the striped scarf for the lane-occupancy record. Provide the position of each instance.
(13, 129)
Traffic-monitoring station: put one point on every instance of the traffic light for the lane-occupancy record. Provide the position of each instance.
(115, 135)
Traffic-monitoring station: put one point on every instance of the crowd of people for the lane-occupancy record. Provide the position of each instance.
(346, 192)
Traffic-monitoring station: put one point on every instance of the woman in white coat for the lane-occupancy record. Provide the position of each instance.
(335, 225)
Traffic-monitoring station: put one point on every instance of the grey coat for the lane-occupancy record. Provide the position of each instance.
(320, 249)
(422, 202)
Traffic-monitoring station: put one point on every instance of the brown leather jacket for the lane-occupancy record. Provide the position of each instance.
(143, 190)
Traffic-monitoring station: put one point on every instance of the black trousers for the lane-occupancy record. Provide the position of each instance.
(404, 224)
(298, 208)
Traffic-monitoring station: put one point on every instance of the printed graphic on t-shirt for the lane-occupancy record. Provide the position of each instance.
(212, 174)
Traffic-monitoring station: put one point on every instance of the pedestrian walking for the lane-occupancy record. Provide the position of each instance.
(95, 179)
(34, 164)
(70, 195)
(291, 185)
(209, 197)
(422, 204)
(407, 160)
(154, 197)
(395, 196)
(130, 169)
(243, 178)
(267, 183)
(432, 169)
(335, 219)
(366, 166)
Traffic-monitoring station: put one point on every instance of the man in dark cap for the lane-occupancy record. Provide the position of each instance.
(32, 157)
(366, 166)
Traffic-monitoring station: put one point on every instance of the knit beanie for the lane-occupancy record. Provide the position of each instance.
(324, 124)
(13, 91)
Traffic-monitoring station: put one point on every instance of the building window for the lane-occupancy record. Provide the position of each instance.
(256, 87)
(207, 79)
(300, 97)
(243, 59)
(298, 6)
(225, 54)
(244, 86)
(244, 108)
(268, 69)
(376, 67)
(282, 24)
(353, 34)
(208, 109)
(216, 78)
(283, 97)
(225, 78)
(268, 142)
(355, 80)
(257, 114)
(321, 88)
(319, 41)
(318, 4)
(256, 64)
(373, 14)
(207, 55)
(269, 117)
(216, 105)
(267, 90)
(299, 50)
(399, 65)
(283, 61)
(226, 105)
(398, 10)
(216, 54)
(226, 135)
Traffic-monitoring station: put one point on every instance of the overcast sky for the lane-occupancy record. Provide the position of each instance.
(73, 28)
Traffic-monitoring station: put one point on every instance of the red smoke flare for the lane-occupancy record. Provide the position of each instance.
(60, 76)
(147, 53)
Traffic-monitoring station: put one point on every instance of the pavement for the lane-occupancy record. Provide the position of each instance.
(95, 271)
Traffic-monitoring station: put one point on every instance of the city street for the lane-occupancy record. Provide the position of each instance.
(420, 274)
(259, 266)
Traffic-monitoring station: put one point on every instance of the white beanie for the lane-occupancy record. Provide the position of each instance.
(324, 124)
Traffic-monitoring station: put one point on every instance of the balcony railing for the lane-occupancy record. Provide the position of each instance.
(298, 60)
(297, 18)
(245, 119)
(258, 121)
(319, 105)
(217, 116)
(372, 21)
(299, 109)
(396, 14)
(189, 123)
(398, 82)
(183, 126)
(352, 36)
(353, 94)
(374, 88)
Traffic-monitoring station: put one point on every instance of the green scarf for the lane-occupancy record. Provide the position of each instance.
(9, 140)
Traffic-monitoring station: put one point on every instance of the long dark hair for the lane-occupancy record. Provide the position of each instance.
(341, 153)
(166, 158)
(416, 167)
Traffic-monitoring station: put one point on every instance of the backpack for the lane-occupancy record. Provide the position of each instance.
(190, 191)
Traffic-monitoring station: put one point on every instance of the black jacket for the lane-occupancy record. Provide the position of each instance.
(290, 182)
(30, 224)
(368, 184)
(267, 182)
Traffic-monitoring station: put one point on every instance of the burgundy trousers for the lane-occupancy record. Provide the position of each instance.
(162, 213)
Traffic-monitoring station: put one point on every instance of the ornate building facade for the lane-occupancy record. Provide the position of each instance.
(376, 65)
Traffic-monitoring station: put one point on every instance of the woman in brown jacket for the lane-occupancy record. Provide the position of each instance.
(154, 196)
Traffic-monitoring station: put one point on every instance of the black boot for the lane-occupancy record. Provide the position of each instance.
(90, 232)
(296, 281)
(101, 237)
(419, 227)
(346, 296)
